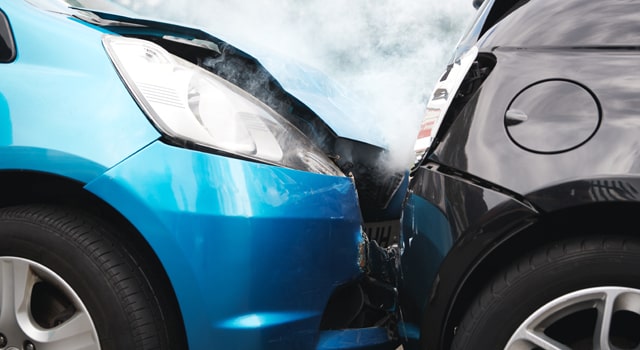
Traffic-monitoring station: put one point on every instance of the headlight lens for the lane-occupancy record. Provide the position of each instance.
(188, 103)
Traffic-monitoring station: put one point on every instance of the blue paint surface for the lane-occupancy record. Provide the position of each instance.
(252, 251)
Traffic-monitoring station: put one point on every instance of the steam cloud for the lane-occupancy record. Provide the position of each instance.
(389, 52)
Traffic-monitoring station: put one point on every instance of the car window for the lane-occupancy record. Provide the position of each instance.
(7, 45)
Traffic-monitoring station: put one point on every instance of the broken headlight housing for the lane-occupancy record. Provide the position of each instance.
(191, 105)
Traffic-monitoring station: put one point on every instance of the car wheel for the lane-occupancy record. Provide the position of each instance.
(576, 294)
(68, 281)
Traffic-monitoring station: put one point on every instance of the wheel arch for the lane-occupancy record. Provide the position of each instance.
(610, 217)
(19, 187)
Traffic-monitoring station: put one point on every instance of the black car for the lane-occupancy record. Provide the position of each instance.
(521, 226)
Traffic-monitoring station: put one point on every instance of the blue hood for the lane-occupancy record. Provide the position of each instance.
(344, 114)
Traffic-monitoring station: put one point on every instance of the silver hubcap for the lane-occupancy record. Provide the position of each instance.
(39, 309)
(603, 318)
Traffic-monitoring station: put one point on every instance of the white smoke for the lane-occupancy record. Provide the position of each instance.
(390, 52)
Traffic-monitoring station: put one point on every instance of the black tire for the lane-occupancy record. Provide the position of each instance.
(79, 266)
(557, 294)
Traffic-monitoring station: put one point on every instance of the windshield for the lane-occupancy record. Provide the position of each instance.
(65, 6)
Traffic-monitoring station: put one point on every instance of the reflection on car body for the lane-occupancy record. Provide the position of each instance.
(518, 229)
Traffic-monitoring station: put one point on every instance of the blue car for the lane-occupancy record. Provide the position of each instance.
(163, 189)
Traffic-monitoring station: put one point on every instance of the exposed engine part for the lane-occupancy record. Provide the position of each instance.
(371, 301)
(386, 233)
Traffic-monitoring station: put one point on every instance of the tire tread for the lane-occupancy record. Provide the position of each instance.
(99, 242)
(500, 288)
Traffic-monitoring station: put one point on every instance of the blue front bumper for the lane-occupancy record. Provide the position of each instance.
(253, 251)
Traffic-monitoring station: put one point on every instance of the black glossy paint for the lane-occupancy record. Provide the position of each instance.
(567, 23)
(435, 225)
(571, 67)
(477, 142)
(552, 116)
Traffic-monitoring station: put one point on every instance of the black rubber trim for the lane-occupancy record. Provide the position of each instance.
(7, 43)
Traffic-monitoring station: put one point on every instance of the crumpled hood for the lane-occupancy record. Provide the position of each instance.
(340, 109)
(344, 113)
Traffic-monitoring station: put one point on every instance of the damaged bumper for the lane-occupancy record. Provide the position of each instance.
(364, 315)
(260, 257)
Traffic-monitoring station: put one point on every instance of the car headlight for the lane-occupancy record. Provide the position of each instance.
(190, 104)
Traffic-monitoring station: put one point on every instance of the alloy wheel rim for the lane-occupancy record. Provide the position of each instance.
(603, 305)
(39, 310)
